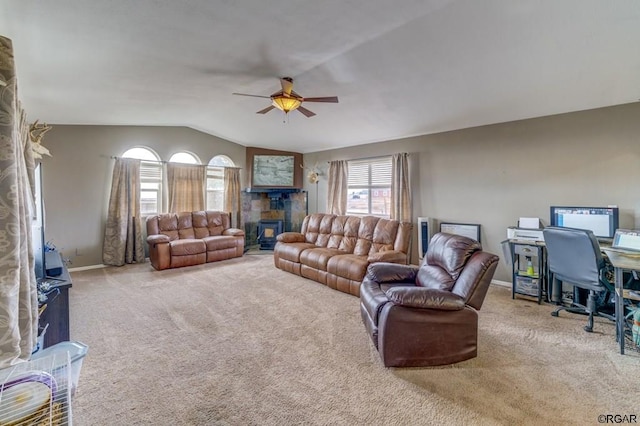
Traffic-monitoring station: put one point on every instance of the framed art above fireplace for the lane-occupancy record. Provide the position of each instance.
(274, 169)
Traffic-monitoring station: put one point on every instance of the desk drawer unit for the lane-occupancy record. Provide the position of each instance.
(525, 250)
(527, 286)
(528, 270)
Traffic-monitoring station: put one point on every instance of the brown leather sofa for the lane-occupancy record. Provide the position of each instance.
(336, 250)
(192, 238)
(427, 315)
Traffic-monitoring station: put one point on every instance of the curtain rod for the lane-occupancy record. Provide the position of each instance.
(113, 157)
(365, 158)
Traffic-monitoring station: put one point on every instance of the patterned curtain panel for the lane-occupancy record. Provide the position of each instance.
(232, 200)
(400, 188)
(123, 242)
(337, 187)
(18, 301)
(186, 184)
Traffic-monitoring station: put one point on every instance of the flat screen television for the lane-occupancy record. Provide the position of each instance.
(602, 221)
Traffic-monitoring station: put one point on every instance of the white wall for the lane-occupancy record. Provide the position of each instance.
(77, 179)
(492, 175)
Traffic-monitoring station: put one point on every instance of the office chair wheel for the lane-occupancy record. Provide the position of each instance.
(555, 313)
(588, 328)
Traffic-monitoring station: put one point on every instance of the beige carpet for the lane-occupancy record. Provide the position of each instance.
(240, 342)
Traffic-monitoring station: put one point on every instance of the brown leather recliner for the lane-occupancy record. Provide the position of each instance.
(427, 315)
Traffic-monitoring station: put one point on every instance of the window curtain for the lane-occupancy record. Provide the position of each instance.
(123, 242)
(232, 200)
(186, 184)
(18, 300)
(337, 187)
(400, 188)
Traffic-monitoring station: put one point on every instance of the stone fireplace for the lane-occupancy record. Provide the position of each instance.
(279, 210)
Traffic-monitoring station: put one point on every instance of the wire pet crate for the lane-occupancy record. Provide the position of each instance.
(37, 392)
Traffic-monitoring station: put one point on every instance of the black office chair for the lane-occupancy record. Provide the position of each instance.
(574, 257)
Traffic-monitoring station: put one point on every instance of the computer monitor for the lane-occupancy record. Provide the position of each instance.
(627, 239)
(602, 221)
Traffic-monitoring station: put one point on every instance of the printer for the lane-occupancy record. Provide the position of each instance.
(528, 229)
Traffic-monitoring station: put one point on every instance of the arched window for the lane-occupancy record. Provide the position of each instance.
(185, 158)
(150, 179)
(215, 181)
(221, 161)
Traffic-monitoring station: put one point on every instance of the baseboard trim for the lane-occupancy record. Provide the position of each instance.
(101, 265)
(501, 283)
(86, 268)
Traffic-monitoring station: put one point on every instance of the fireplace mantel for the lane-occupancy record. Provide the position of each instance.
(273, 190)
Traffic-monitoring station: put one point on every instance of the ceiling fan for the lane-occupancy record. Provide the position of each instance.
(287, 100)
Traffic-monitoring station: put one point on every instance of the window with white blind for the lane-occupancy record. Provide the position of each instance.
(215, 181)
(150, 179)
(369, 187)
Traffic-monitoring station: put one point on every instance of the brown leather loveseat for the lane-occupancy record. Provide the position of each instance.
(427, 315)
(336, 250)
(192, 238)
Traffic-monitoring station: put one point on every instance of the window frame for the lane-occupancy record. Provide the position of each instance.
(381, 182)
(151, 172)
(215, 172)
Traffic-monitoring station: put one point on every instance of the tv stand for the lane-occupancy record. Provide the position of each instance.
(56, 309)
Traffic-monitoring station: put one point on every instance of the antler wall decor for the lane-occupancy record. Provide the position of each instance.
(313, 174)
(36, 133)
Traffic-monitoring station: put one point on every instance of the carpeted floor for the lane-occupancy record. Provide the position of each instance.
(240, 342)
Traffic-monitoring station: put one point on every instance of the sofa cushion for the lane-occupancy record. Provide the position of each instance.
(365, 235)
(187, 247)
(168, 225)
(318, 229)
(318, 257)
(290, 237)
(348, 266)
(344, 233)
(217, 222)
(292, 251)
(185, 226)
(384, 235)
(220, 242)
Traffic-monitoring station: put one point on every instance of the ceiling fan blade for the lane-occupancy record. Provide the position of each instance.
(287, 85)
(253, 96)
(305, 111)
(332, 99)
(266, 110)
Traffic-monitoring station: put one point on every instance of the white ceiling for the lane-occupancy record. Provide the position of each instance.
(399, 67)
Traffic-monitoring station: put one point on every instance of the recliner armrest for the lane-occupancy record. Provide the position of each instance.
(425, 298)
(290, 237)
(234, 232)
(385, 272)
(158, 239)
(392, 256)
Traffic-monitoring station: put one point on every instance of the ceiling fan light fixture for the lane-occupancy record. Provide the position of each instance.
(285, 103)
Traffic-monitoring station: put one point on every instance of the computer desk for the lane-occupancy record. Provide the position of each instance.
(621, 262)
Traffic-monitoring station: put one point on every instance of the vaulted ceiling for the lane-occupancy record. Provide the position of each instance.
(399, 67)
